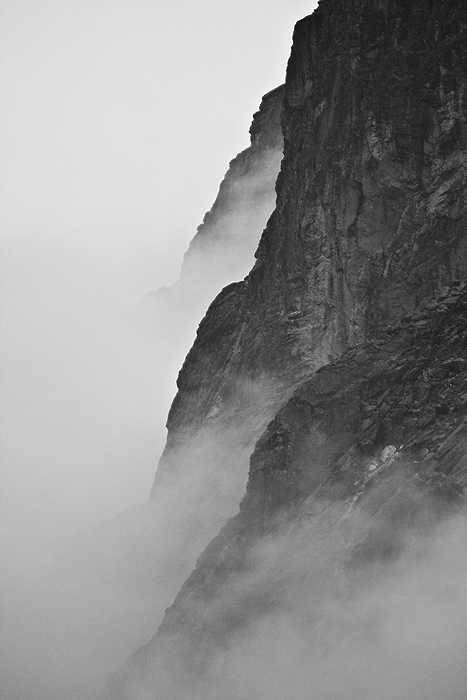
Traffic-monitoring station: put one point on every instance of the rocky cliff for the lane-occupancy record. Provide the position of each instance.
(343, 354)
(371, 203)
(369, 452)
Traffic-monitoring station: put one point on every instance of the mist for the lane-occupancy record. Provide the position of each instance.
(401, 634)
(81, 432)
(118, 122)
(89, 366)
(321, 627)
(112, 151)
(90, 369)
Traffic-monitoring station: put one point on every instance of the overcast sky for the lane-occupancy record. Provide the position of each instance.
(119, 117)
(118, 120)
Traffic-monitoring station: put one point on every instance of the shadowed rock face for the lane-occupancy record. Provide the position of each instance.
(381, 435)
(371, 203)
(343, 353)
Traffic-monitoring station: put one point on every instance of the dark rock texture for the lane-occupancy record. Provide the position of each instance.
(381, 431)
(371, 203)
(343, 353)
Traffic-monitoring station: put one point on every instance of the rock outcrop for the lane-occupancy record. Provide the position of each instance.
(343, 353)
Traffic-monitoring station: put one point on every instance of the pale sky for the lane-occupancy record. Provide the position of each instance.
(119, 117)
(118, 121)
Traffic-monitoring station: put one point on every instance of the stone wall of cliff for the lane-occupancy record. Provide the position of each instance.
(343, 352)
(371, 208)
(370, 452)
(392, 407)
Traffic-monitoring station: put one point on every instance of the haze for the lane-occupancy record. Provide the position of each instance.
(118, 122)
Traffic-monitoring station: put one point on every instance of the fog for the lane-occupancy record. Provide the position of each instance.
(118, 122)
(80, 437)
(112, 150)
(91, 374)
(309, 625)
(398, 634)
(72, 614)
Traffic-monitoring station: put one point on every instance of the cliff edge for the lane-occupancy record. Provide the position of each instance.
(343, 356)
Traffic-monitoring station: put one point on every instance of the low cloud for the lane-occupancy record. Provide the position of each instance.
(88, 378)
(392, 629)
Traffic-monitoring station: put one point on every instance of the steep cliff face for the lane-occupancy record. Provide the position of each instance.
(344, 355)
(368, 452)
(371, 204)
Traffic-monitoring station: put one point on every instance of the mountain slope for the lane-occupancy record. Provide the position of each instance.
(370, 213)
(343, 355)
(368, 452)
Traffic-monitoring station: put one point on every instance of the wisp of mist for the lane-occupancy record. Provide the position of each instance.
(88, 376)
(396, 630)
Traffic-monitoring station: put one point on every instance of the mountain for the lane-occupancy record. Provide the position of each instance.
(339, 366)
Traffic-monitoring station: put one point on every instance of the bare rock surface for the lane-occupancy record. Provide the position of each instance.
(342, 355)
(371, 204)
(369, 450)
